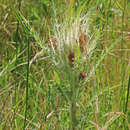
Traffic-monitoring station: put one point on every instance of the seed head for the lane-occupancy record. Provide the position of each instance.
(82, 75)
(71, 58)
(83, 39)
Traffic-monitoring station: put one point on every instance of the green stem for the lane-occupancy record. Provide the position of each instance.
(17, 38)
(73, 104)
(73, 116)
(27, 85)
(122, 60)
(127, 99)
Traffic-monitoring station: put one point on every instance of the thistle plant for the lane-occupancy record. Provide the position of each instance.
(74, 50)
(71, 64)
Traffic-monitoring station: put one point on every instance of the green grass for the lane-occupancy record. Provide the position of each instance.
(49, 80)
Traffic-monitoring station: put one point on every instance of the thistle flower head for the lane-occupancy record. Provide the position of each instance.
(82, 75)
(71, 57)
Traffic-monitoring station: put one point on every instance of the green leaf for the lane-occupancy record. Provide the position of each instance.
(56, 78)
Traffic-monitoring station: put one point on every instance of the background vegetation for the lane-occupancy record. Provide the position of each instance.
(64, 64)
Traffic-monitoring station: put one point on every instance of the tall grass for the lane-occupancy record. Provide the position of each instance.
(66, 62)
(16, 62)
